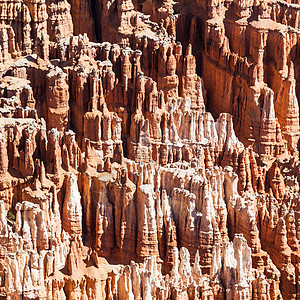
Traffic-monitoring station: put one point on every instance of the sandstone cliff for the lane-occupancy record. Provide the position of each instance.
(149, 149)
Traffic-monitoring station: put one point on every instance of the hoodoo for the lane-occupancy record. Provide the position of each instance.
(149, 149)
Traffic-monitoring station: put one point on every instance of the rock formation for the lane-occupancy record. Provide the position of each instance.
(149, 149)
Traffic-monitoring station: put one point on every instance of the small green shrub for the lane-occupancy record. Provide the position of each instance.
(11, 216)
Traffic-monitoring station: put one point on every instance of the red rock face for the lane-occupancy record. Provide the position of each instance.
(149, 150)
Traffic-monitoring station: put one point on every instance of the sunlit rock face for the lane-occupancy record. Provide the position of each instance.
(149, 150)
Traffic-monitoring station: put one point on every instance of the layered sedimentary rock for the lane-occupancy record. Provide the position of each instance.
(149, 150)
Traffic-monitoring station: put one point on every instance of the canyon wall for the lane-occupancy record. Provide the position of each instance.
(149, 149)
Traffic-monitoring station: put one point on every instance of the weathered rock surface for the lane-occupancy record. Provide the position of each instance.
(149, 149)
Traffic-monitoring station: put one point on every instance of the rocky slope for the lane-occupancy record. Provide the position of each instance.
(149, 149)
